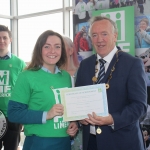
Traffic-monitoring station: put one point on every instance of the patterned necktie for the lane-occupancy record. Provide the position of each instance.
(101, 73)
(4, 58)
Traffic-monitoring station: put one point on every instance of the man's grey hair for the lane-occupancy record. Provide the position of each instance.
(99, 18)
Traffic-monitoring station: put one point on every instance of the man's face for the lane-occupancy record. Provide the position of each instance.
(5, 40)
(103, 37)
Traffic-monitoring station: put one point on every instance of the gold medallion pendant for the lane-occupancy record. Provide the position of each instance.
(99, 131)
(107, 86)
(94, 79)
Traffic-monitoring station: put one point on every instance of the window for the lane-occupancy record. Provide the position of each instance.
(33, 6)
(5, 22)
(29, 30)
(5, 7)
(71, 25)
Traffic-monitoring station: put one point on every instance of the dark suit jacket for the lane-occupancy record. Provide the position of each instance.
(126, 102)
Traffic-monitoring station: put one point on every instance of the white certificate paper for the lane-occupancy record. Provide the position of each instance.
(80, 101)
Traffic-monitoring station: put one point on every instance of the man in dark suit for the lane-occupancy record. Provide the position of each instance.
(126, 92)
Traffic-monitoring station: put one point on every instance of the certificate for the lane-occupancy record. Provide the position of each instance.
(80, 101)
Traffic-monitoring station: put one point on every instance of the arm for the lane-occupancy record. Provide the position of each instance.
(81, 45)
(136, 96)
(19, 112)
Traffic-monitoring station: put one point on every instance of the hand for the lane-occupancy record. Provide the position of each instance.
(99, 120)
(72, 129)
(84, 122)
(56, 110)
(141, 30)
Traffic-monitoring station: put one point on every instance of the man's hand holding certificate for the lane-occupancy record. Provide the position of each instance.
(78, 102)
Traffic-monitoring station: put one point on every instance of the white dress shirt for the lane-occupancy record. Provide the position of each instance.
(108, 60)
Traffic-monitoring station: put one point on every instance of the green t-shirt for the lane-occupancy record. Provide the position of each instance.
(34, 88)
(9, 71)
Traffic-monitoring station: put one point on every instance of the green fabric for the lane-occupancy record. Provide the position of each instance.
(34, 88)
(9, 71)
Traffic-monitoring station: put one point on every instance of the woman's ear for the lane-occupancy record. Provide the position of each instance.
(70, 51)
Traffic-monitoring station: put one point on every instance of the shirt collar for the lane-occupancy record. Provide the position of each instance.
(9, 54)
(57, 70)
(109, 57)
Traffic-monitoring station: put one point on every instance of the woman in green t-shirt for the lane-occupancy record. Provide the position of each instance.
(33, 102)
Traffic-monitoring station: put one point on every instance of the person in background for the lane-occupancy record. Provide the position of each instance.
(83, 44)
(126, 91)
(123, 3)
(77, 38)
(34, 102)
(142, 36)
(90, 7)
(80, 9)
(72, 60)
(10, 67)
(100, 4)
(71, 67)
(140, 5)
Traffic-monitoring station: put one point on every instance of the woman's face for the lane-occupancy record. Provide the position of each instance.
(84, 35)
(51, 51)
(143, 25)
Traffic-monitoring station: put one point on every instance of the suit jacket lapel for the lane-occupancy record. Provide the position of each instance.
(110, 67)
(92, 68)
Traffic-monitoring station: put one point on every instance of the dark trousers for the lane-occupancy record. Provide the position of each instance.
(11, 139)
(141, 8)
(92, 145)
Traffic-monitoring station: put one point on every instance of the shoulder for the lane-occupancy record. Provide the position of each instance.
(17, 58)
(148, 29)
(65, 73)
(28, 74)
(19, 61)
(127, 59)
(89, 59)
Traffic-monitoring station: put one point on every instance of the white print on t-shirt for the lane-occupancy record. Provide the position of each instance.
(58, 123)
(5, 88)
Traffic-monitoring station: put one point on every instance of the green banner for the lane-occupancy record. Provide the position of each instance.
(124, 18)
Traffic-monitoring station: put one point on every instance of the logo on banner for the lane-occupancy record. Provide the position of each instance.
(119, 18)
(58, 123)
(5, 88)
(3, 125)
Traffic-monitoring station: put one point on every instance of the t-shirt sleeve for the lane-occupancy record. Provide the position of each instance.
(22, 90)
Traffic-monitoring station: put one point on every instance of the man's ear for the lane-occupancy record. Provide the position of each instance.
(10, 40)
(116, 36)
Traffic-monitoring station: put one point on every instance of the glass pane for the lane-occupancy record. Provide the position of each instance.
(70, 2)
(71, 25)
(5, 22)
(29, 30)
(5, 7)
(33, 6)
